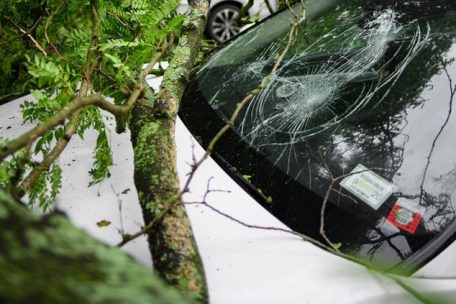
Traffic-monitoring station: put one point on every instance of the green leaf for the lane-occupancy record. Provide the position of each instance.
(111, 44)
(123, 69)
(44, 191)
(48, 72)
(337, 246)
(103, 223)
(247, 177)
(55, 180)
(103, 159)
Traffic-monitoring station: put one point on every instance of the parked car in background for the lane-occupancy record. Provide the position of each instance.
(222, 24)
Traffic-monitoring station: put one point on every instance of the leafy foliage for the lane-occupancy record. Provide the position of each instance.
(49, 72)
(8, 169)
(44, 50)
(103, 159)
(46, 188)
(43, 107)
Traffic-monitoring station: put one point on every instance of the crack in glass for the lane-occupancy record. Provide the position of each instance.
(294, 108)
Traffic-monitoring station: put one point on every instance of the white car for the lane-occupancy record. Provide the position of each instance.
(351, 143)
(221, 23)
(271, 175)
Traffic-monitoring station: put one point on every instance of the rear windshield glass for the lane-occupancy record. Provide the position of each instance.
(359, 112)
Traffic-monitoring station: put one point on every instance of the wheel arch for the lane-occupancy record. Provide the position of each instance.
(233, 2)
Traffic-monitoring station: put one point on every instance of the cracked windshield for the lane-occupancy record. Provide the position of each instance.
(352, 140)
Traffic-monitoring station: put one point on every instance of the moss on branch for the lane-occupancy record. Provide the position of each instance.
(152, 125)
(47, 260)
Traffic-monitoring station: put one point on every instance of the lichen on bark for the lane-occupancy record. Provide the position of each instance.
(45, 259)
(152, 125)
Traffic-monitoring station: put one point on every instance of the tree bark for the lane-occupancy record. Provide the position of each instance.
(152, 125)
(47, 260)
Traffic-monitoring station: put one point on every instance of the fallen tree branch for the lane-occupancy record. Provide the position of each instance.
(83, 101)
(171, 201)
(152, 125)
(59, 263)
(58, 119)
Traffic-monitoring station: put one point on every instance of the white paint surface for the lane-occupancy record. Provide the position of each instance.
(242, 265)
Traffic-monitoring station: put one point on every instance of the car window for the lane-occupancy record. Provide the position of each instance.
(360, 111)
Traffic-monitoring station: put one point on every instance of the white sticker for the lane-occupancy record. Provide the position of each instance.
(368, 186)
(411, 205)
(404, 216)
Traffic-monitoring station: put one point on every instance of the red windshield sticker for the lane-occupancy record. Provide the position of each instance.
(406, 217)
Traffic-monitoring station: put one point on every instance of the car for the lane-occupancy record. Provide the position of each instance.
(385, 119)
(351, 143)
(221, 22)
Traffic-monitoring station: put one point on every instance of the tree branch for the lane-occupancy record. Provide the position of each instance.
(152, 125)
(60, 263)
(30, 136)
(51, 157)
(72, 126)
(37, 45)
(80, 102)
(170, 202)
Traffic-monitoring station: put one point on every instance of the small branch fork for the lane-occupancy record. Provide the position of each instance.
(270, 228)
(333, 182)
(24, 32)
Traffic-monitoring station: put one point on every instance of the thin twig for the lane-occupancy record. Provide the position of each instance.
(90, 65)
(330, 189)
(447, 119)
(270, 228)
(37, 22)
(46, 27)
(37, 45)
(119, 206)
(322, 216)
(345, 195)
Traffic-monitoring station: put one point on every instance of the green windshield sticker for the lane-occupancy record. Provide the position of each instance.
(367, 186)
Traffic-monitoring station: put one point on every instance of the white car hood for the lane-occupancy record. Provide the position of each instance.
(242, 265)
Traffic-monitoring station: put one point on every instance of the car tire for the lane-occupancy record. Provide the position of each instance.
(221, 24)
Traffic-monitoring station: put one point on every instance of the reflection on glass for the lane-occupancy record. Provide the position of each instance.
(366, 83)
